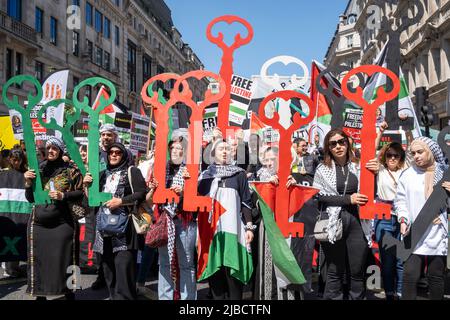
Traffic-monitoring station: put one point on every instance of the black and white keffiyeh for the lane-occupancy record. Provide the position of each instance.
(325, 181)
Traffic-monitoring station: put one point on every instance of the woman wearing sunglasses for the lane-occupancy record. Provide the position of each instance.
(392, 160)
(415, 186)
(338, 179)
(118, 246)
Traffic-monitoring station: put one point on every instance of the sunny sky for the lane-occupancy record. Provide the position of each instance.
(300, 28)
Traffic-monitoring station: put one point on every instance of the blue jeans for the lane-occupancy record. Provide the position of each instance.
(391, 267)
(185, 239)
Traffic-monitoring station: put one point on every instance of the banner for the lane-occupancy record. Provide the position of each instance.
(241, 95)
(54, 87)
(7, 138)
(81, 129)
(139, 134)
(353, 124)
(209, 121)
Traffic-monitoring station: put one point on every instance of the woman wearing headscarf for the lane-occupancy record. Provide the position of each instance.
(119, 250)
(15, 210)
(225, 233)
(52, 230)
(415, 185)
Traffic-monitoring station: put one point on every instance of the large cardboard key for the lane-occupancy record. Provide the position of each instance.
(282, 212)
(66, 130)
(96, 197)
(335, 98)
(196, 202)
(161, 109)
(226, 70)
(368, 135)
(296, 82)
(40, 195)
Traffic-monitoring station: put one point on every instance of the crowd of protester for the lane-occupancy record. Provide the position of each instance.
(405, 177)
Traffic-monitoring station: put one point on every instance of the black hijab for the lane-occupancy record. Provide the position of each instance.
(123, 164)
(51, 169)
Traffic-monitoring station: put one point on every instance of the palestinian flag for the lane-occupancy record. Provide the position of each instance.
(286, 267)
(221, 239)
(15, 211)
(322, 120)
(405, 105)
(256, 125)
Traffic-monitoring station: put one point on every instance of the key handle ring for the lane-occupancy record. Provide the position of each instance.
(238, 40)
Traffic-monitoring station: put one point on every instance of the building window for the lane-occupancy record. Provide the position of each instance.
(116, 64)
(89, 49)
(107, 28)
(117, 35)
(39, 71)
(131, 66)
(18, 66)
(349, 41)
(53, 30)
(9, 64)
(99, 56)
(89, 11)
(14, 9)
(75, 43)
(146, 67)
(76, 81)
(39, 22)
(107, 61)
(18, 69)
(117, 3)
(98, 21)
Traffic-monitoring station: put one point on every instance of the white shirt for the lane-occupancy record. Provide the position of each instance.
(408, 203)
(386, 188)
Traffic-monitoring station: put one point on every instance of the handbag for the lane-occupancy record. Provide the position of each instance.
(321, 232)
(321, 226)
(77, 210)
(157, 235)
(112, 224)
(141, 219)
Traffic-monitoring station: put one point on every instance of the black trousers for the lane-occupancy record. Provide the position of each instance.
(351, 252)
(224, 286)
(435, 272)
(120, 272)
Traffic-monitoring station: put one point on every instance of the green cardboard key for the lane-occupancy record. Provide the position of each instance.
(65, 130)
(40, 195)
(96, 198)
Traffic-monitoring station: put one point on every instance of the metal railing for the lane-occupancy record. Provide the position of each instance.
(17, 28)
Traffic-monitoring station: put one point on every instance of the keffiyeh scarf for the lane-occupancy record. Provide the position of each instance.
(325, 181)
(218, 172)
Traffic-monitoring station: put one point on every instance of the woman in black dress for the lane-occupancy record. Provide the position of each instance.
(119, 250)
(52, 231)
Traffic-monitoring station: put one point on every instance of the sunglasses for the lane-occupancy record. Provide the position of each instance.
(392, 155)
(115, 153)
(342, 142)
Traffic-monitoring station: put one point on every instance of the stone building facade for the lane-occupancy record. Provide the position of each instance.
(124, 41)
(425, 46)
